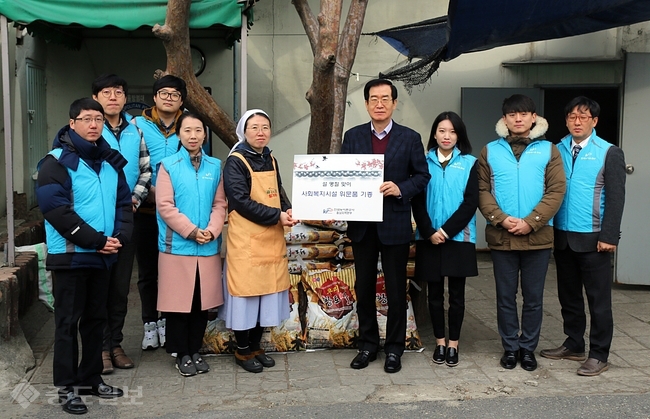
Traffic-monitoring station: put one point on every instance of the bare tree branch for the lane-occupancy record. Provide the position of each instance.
(321, 92)
(347, 51)
(309, 22)
(175, 34)
(349, 41)
(333, 59)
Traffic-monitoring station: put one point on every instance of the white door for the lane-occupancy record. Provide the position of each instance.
(632, 261)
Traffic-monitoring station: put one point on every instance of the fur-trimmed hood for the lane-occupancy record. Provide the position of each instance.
(540, 128)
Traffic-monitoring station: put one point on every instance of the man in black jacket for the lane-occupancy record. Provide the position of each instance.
(405, 175)
(587, 229)
(86, 202)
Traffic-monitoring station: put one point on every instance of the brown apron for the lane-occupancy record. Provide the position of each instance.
(256, 255)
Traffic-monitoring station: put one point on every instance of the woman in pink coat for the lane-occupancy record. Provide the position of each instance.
(191, 207)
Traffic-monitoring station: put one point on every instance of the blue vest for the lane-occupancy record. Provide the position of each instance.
(584, 202)
(129, 146)
(445, 192)
(194, 193)
(159, 146)
(518, 186)
(93, 199)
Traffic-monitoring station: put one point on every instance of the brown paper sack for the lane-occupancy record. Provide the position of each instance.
(332, 325)
(288, 336)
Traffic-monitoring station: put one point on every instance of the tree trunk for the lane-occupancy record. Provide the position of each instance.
(175, 35)
(333, 59)
(346, 53)
(323, 34)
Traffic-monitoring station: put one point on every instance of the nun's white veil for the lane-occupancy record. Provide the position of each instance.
(242, 123)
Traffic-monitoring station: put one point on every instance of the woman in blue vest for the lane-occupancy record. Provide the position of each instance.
(445, 213)
(191, 209)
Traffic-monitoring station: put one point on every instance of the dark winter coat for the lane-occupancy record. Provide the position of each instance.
(237, 183)
(54, 194)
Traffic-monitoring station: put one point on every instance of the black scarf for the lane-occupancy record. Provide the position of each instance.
(93, 153)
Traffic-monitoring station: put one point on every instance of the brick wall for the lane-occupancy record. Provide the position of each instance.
(18, 290)
(30, 232)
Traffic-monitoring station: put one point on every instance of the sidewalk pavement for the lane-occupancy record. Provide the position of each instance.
(324, 377)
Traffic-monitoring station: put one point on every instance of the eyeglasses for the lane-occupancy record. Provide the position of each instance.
(173, 96)
(255, 128)
(117, 92)
(583, 118)
(87, 119)
(374, 101)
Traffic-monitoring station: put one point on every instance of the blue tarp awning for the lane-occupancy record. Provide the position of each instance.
(417, 40)
(472, 25)
(480, 25)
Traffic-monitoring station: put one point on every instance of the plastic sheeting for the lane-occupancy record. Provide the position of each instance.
(473, 25)
(481, 25)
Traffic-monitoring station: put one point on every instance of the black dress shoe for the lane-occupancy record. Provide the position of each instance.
(264, 359)
(362, 359)
(527, 359)
(103, 391)
(393, 363)
(71, 402)
(451, 359)
(509, 360)
(248, 362)
(439, 354)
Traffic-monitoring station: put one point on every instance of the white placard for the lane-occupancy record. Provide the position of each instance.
(338, 187)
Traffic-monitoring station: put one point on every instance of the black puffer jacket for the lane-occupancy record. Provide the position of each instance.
(237, 183)
(56, 201)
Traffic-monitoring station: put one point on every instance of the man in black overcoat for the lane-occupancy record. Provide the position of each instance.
(405, 175)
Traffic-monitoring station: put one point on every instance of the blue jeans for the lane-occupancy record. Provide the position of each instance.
(533, 265)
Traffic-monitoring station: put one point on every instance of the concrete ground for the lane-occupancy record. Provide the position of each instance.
(321, 383)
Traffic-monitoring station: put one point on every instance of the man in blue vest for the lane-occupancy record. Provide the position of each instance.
(587, 230)
(521, 186)
(86, 202)
(111, 92)
(158, 125)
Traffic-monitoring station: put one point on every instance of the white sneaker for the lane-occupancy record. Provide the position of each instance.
(161, 331)
(150, 340)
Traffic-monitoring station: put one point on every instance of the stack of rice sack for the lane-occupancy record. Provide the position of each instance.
(288, 336)
(317, 243)
(321, 297)
(331, 318)
(410, 264)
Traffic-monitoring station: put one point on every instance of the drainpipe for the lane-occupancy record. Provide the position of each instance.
(10, 249)
(243, 57)
(235, 72)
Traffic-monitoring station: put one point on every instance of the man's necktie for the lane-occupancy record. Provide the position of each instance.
(576, 150)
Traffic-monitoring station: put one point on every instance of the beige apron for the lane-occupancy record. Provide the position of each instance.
(256, 255)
